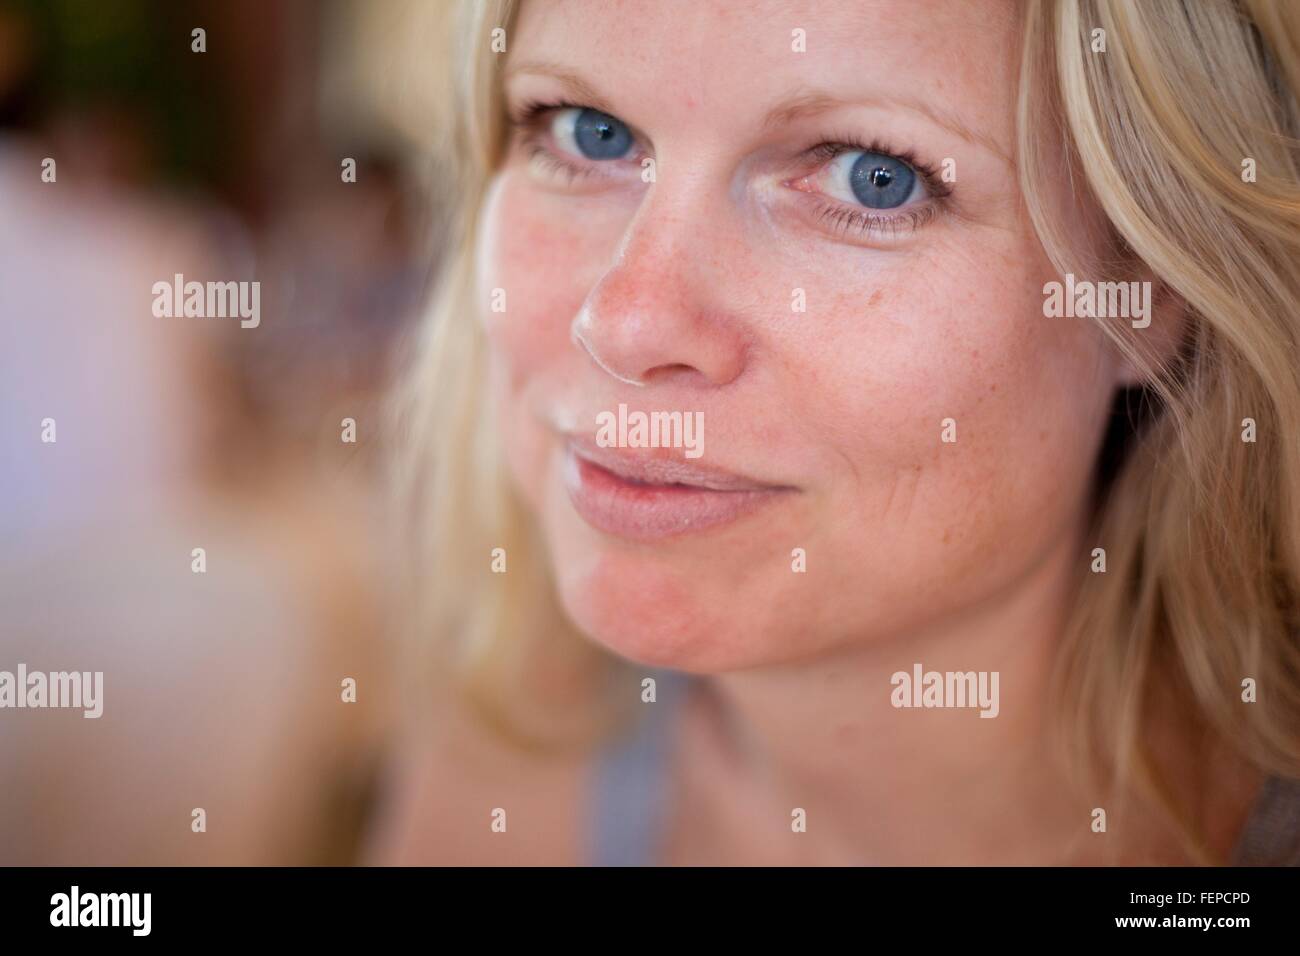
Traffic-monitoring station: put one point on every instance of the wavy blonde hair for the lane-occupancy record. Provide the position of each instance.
(1201, 529)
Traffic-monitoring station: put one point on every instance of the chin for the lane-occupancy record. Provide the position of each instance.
(662, 603)
(652, 616)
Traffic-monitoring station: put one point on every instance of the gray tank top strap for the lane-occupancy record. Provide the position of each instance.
(630, 786)
(1272, 833)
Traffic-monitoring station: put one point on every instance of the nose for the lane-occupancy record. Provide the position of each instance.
(652, 317)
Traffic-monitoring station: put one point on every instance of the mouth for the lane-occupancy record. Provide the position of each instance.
(649, 497)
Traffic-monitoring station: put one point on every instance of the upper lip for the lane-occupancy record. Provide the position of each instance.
(662, 466)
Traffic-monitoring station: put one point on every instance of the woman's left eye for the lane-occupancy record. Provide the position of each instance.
(869, 179)
(590, 134)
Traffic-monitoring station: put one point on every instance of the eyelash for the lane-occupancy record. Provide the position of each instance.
(853, 221)
(835, 215)
(526, 121)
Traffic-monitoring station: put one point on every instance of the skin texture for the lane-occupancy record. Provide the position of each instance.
(687, 284)
(956, 555)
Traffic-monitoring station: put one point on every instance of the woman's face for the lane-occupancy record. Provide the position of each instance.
(798, 227)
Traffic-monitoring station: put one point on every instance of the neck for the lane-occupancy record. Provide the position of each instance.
(888, 785)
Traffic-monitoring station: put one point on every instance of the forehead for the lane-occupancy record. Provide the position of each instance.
(691, 56)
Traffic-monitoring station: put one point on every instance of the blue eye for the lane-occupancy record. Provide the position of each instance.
(599, 136)
(881, 182)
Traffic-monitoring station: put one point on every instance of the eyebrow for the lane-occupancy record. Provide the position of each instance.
(801, 104)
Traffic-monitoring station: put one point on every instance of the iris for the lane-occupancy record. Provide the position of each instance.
(881, 182)
(600, 136)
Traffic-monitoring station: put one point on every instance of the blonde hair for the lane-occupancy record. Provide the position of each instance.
(1201, 529)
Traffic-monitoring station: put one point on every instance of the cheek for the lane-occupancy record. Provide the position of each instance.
(959, 336)
(543, 252)
(537, 258)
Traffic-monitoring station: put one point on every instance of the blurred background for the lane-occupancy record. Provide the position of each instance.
(222, 689)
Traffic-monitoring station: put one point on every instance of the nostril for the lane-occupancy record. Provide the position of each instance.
(675, 370)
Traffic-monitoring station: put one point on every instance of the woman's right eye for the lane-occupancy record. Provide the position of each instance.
(590, 134)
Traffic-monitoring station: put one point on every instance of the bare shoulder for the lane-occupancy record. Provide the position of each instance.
(460, 794)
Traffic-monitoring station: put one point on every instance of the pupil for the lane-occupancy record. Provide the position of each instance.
(881, 177)
(604, 131)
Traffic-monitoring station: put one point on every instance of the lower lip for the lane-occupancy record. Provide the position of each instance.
(650, 512)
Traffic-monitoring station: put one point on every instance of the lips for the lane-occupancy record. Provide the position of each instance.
(644, 494)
